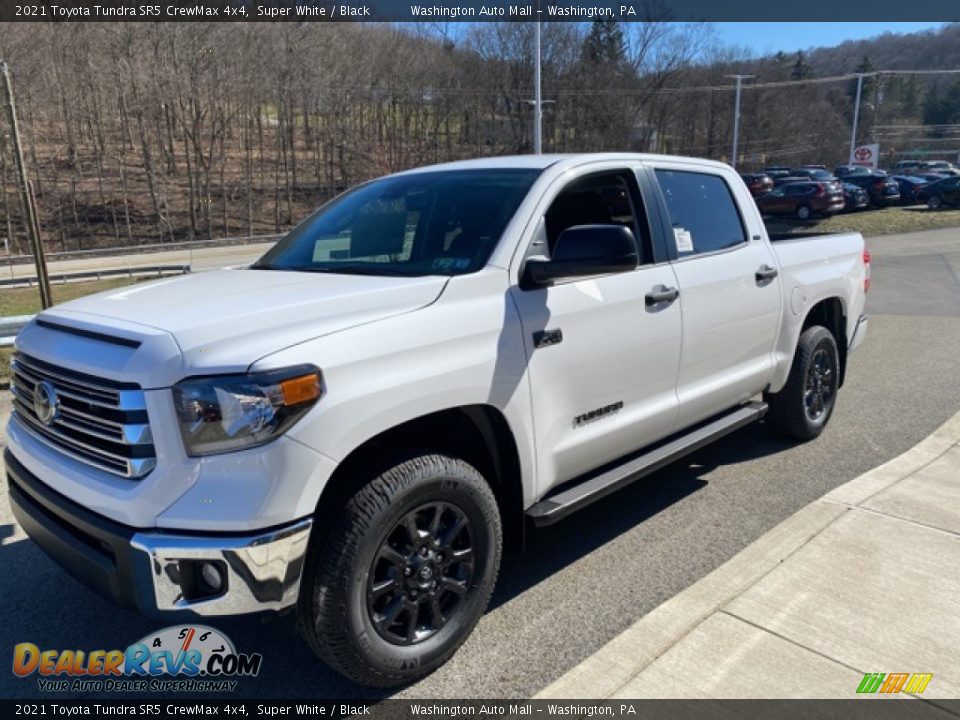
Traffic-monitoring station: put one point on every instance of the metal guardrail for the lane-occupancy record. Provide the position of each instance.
(13, 324)
(10, 326)
(143, 270)
(57, 255)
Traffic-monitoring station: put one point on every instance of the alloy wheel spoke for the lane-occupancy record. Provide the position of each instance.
(413, 615)
(450, 533)
(438, 619)
(392, 556)
(435, 521)
(461, 555)
(391, 612)
(455, 586)
(384, 586)
(410, 523)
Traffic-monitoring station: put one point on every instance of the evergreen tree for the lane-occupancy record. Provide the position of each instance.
(865, 67)
(933, 106)
(869, 83)
(801, 70)
(951, 105)
(604, 44)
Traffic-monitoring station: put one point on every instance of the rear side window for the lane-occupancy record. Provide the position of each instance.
(702, 211)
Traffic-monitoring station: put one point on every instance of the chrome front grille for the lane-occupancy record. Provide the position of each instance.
(95, 421)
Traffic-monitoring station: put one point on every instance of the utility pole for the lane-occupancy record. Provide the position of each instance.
(26, 193)
(537, 97)
(736, 116)
(856, 117)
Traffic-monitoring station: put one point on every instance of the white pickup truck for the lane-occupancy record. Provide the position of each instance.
(353, 427)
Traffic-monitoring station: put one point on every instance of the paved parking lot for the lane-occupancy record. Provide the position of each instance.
(586, 579)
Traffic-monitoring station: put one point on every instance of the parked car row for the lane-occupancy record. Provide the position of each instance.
(805, 191)
(913, 167)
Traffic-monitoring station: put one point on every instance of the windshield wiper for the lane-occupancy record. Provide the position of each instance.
(352, 270)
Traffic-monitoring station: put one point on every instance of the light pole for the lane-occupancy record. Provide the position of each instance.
(537, 98)
(856, 117)
(538, 122)
(736, 116)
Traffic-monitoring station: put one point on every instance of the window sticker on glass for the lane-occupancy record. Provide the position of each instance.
(683, 239)
(448, 263)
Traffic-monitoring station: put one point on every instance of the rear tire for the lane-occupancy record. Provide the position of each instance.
(804, 212)
(802, 409)
(403, 572)
(935, 202)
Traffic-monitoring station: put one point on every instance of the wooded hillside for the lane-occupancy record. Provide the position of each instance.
(143, 133)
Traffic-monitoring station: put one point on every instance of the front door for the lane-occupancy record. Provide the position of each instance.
(602, 363)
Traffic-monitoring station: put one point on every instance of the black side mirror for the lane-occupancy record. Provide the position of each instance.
(582, 251)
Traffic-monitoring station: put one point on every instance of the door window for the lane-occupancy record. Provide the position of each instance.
(702, 212)
(601, 199)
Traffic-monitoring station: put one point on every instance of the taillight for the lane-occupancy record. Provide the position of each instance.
(866, 267)
(820, 190)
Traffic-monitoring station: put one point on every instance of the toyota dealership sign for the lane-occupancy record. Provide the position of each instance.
(867, 156)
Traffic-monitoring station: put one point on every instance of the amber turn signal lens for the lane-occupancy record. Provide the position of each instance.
(300, 389)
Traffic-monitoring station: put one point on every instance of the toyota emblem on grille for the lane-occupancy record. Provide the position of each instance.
(46, 403)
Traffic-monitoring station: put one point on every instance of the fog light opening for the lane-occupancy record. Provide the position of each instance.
(202, 579)
(212, 576)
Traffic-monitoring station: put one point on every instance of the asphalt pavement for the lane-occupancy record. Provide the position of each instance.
(588, 578)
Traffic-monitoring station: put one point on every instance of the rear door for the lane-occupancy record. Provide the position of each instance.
(729, 288)
(602, 361)
(776, 201)
(951, 191)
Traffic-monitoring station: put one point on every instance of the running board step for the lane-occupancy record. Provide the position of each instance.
(556, 507)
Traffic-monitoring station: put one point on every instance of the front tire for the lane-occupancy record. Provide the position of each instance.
(802, 409)
(404, 573)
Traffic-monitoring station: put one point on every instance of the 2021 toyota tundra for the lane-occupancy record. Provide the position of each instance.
(352, 427)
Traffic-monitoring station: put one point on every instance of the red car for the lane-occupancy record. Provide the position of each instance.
(758, 183)
(803, 200)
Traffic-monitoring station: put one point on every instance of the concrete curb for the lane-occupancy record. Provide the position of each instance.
(628, 654)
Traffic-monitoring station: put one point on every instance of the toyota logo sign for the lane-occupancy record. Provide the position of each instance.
(46, 404)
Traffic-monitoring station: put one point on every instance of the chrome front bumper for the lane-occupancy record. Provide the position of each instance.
(158, 573)
(260, 572)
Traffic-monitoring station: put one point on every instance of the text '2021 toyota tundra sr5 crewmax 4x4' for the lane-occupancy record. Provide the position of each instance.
(353, 426)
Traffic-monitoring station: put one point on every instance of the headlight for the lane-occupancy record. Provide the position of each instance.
(224, 413)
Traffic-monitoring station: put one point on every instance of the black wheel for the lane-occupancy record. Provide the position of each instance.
(404, 573)
(935, 202)
(804, 212)
(803, 407)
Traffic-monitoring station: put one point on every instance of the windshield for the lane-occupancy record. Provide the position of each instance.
(431, 223)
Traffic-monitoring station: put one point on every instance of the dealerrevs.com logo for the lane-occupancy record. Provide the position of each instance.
(191, 658)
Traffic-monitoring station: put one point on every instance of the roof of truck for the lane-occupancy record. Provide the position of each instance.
(541, 162)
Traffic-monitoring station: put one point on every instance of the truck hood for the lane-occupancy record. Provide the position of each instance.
(223, 321)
